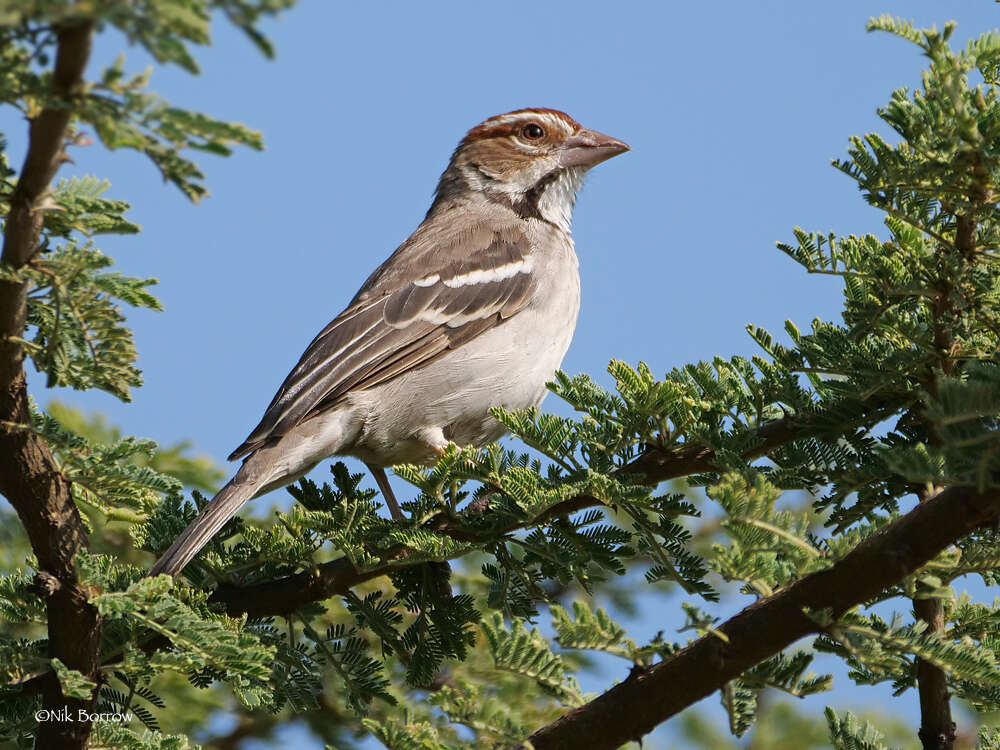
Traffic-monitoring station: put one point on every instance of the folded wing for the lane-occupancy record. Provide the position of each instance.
(399, 324)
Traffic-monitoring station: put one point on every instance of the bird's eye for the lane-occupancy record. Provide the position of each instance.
(532, 131)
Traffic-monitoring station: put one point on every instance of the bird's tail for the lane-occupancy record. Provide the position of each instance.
(212, 517)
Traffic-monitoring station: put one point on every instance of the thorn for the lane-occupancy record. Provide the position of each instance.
(46, 203)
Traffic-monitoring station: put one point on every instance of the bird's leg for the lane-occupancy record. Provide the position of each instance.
(383, 484)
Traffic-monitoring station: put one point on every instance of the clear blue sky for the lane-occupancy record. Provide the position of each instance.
(733, 111)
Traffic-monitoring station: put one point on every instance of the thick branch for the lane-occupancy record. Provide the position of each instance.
(46, 137)
(29, 476)
(770, 625)
(937, 730)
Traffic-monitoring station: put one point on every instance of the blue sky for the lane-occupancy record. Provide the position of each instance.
(733, 111)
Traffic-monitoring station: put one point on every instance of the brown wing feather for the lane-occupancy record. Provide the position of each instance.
(409, 326)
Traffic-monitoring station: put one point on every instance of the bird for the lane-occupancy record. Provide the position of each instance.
(476, 309)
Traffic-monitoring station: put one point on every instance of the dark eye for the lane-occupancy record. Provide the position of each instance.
(532, 131)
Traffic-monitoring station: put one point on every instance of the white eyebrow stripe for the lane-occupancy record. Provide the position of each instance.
(510, 117)
(487, 275)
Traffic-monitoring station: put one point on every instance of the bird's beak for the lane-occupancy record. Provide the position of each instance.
(589, 148)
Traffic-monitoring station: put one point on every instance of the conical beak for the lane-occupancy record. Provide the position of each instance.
(589, 148)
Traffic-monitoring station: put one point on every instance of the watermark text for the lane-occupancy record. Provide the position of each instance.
(81, 715)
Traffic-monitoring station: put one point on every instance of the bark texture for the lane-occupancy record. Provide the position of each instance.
(29, 476)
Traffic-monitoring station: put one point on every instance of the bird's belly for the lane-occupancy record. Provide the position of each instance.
(450, 399)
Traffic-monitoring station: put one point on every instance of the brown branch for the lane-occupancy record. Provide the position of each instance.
(29, 476)
(760, 631)
(765, 628)
(285, 595)
(662, 465)
(937, 729)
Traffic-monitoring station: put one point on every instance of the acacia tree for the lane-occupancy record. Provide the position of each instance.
(360, 623)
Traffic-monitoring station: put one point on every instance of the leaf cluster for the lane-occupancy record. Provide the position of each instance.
(804, 452)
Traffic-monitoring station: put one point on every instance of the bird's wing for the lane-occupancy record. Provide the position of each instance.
(428, 298)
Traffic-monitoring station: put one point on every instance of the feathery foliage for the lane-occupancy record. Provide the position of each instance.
(469, 621)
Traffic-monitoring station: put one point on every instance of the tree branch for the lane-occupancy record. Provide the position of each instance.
(285, 595)
(937, 729)
(770, 625)
(755, 634)
(29, 476)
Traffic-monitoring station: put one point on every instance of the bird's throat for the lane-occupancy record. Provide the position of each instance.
(555, 203)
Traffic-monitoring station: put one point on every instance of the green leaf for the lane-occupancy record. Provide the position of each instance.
(72, 683)
(848, 733)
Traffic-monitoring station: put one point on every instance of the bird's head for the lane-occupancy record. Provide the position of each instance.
(532, 159)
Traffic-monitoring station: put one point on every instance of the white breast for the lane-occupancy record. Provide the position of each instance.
(507, 366)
